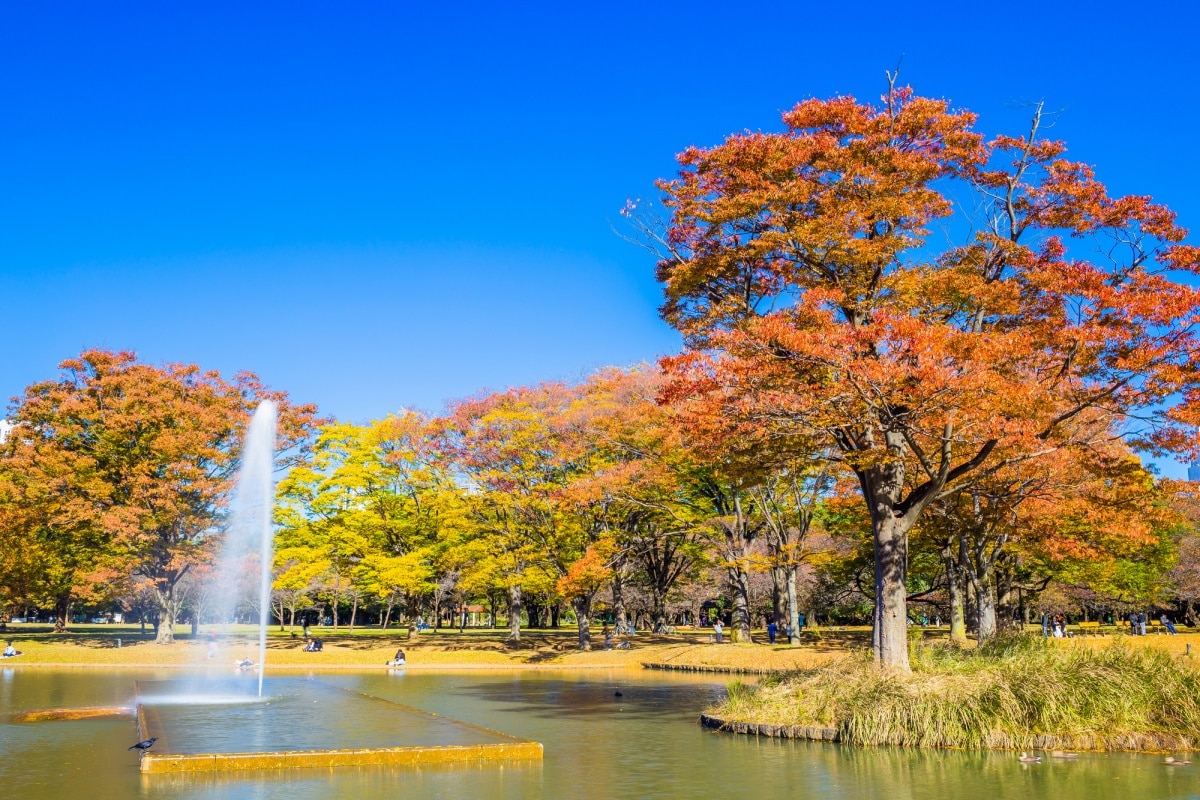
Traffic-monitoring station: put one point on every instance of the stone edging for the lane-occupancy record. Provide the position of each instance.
(812, 732)
(712, 668)
(1129, 742)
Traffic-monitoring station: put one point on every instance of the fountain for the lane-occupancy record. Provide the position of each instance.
(207, 724)
(249, 525)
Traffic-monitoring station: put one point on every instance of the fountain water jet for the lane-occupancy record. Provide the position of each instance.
(249, 527)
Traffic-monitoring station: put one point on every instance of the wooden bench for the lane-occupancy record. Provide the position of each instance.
(1086, 628)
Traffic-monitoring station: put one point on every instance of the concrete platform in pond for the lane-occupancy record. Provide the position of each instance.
(302, 723)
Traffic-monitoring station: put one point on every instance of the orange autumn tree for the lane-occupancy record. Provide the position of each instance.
(800, 268)
(121, 467)
(1070, 506)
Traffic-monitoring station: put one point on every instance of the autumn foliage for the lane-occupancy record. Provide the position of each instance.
(816, 300)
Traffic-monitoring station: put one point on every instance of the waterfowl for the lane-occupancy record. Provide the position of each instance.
(1061, 754)
(1025, 758)
(1174, 762)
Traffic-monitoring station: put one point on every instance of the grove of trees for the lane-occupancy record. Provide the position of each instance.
(920, 369)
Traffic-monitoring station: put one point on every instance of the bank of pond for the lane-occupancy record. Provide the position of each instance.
(1016, 693)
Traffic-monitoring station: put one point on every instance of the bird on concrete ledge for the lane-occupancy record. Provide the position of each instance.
(144, 746)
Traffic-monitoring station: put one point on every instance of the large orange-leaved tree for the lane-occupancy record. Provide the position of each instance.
(929, 305)
(123, 467)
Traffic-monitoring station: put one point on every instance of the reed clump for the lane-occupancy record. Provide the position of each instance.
(1011, 693)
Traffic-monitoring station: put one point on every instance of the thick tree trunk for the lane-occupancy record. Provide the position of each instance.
(514, 613)
(165, 632)
(954, 583)
(618, 593)
(890, 633)
(534, 612)
(739, 585)
(778, 595)
(583, 620)
(793, 608)
(62, 613)
(658, 608)
(555, 613)
(985, 600)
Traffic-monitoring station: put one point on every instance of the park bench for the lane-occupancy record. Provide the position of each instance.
(1092, 628)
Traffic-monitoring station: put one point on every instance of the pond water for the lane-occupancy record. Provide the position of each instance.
(644, 744)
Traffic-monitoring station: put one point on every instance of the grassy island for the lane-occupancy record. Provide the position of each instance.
(1017, 693)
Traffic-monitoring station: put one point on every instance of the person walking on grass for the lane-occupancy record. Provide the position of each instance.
(719, 631)
(772, 631)
(1142, 619)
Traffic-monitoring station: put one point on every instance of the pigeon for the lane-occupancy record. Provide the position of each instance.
(617, 694)
(144, 746)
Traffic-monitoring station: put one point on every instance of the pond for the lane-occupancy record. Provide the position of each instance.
(643, 744)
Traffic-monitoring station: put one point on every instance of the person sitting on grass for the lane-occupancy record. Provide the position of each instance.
(314, 645)
(244, 663)
(398, 660)
(10, 651)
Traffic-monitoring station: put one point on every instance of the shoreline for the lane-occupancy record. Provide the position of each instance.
(1081, 742)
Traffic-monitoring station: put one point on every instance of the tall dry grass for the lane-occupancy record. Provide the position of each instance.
(1003, 694)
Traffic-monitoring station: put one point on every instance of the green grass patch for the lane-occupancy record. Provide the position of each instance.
(1004, 694)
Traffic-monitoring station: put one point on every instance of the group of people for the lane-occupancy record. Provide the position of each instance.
(1054, 625)
(1138, 620)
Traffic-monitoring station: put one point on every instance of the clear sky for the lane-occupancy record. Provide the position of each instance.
(384, 205)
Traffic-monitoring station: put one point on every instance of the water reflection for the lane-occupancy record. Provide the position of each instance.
(643, 744)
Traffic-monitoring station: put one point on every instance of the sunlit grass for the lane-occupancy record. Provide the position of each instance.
(1000, 695)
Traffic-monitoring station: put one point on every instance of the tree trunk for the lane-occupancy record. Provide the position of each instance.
(555, 613)
(165, 632)
(739, 584)
(62, 612)
(958, 621)
(353, 610)
(514, 613)
(534, 612)
(778, 595)
(985, 601)
(658, 603)
(890, 632)
(793, 607)
(618, 593)
(583, 620)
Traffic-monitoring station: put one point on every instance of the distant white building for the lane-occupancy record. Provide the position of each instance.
(5, 427)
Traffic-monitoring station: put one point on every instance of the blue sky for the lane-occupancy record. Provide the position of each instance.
(385, 205)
